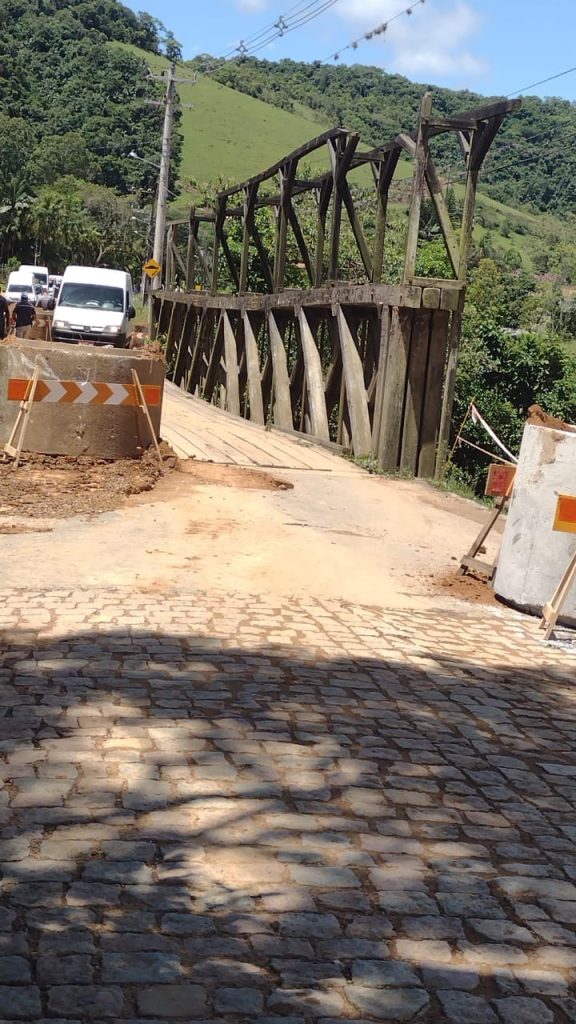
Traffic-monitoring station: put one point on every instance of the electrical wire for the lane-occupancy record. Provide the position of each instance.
(377, 31)
(297, 16)
(543, 81)
(279, 25)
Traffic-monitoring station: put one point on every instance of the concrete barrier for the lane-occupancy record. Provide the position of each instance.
(104, 431)
(533, 555)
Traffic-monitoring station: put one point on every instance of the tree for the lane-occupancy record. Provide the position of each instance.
(172, 48)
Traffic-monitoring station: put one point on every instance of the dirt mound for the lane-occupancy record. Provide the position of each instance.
(473, 587)
(538, 418)
(57, 486)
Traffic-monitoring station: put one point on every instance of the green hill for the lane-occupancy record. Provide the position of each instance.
(228, 134)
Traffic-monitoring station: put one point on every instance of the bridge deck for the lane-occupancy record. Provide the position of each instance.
(197, 430)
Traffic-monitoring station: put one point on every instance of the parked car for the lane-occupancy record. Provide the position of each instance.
(94, 305)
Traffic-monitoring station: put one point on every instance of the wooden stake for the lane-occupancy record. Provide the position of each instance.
(144, 407)
(469, 560)
(22, 421)
(552, 609)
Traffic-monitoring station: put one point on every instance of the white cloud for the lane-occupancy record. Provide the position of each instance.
(436, 40)
(252, 6)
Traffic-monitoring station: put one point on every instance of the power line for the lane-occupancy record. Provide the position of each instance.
(543, 81)
(301, 14)
(279, 25)
(377, 31)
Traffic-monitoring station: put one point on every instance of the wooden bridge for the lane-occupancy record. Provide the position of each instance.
(366, 364)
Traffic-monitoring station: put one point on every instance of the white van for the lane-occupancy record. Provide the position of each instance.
(21, 282)
(40, 275)
(94, 305)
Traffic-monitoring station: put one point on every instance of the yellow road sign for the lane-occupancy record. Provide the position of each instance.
(152, 268)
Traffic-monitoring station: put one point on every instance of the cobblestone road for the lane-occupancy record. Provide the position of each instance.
(217, 809)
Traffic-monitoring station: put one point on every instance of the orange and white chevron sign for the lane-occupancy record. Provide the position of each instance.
(73, 392)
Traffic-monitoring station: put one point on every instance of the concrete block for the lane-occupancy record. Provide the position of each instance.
(102, 431)
(534, 556)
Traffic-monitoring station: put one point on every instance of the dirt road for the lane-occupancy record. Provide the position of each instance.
(352, 536)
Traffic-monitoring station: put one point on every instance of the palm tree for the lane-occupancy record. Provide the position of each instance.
(16, 220)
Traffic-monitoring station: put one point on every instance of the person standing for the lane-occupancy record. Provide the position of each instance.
(4, 317)
(24, 316)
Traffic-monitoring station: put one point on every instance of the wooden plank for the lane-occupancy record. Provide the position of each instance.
(324, 296)
(314, 380)
(356, 397)
(430, 429)
(186, 339)
(282, 407)
(415, 386)
(256, 404)
(214, 361)
(209, 433)
(397, 353)
(205, 328)
(380, 374)
(454, 335)
(231, 363)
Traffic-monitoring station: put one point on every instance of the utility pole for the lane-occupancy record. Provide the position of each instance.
(162, 198)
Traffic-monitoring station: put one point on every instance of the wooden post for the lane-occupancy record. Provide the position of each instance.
(250, 197)
(394, 389)
(449, 384)
(314, 379)
(415, 388)
(282, 408)
(480, 143)
(287, 175)
(253, 371)
(191, 250)
(386, 169)
(143, 406)
(231, 361)
(420, 159)
(384, 313)
(430, 428)
(170, 257)
(218, 226)
(353, 375)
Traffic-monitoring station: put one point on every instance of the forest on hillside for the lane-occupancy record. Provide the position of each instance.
(72, 108)
(529, 164)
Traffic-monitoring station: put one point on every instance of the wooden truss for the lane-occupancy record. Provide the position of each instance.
(369, 365)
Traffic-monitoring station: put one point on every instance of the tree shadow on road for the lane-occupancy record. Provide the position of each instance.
(191, 830)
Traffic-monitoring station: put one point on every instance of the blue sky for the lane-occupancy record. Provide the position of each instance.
(490, 46)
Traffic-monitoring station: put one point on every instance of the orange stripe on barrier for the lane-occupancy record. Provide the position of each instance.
(74, 392)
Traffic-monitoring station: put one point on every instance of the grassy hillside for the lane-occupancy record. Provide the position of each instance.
(228, 134)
